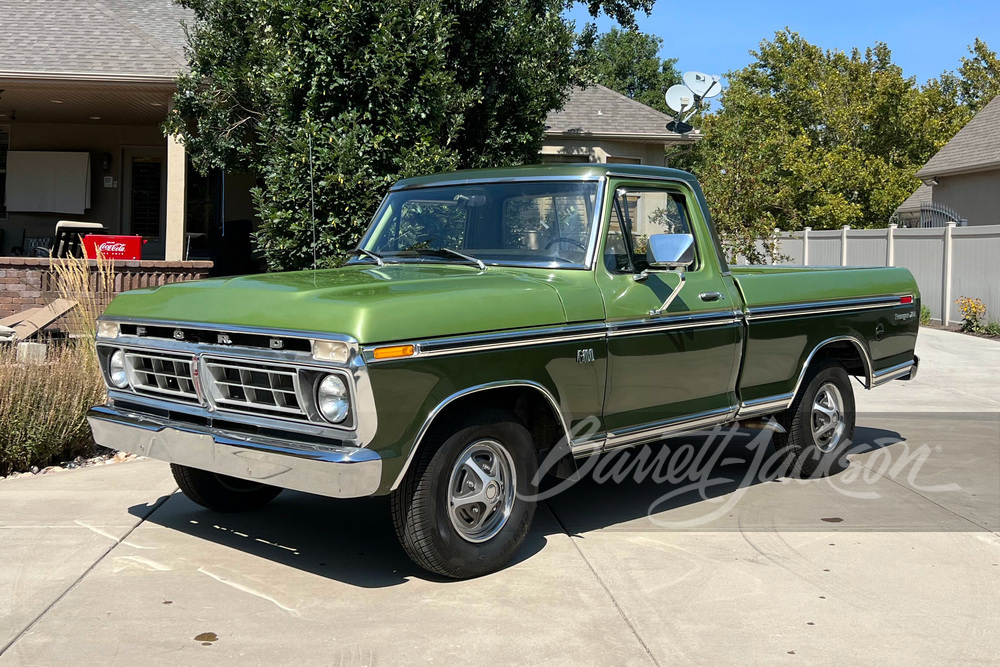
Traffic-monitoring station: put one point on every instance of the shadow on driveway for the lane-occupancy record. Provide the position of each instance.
(353, 540)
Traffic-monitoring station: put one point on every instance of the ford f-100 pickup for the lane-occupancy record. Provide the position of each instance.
(483, 319)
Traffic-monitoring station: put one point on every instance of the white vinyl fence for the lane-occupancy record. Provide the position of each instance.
(948, 262)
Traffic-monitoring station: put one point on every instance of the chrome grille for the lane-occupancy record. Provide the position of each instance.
(162, 375)
(254, 387)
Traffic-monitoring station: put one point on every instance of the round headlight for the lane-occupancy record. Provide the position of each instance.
(331, 399)
(116, 370)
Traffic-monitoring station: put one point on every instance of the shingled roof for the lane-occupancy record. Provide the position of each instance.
(142, 39)
(976, 147)
(600, 112)
(922, 195)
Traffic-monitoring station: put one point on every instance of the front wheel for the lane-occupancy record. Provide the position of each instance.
(221, 492)
(462, 510)
(819, 424)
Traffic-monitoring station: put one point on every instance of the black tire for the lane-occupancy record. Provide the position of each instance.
(421, 504)
(220, 492)
(804, 455)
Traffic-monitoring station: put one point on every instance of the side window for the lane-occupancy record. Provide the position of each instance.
(636, 215)
(431, 224)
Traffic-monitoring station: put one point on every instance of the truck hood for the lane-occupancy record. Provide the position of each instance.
(371, 304)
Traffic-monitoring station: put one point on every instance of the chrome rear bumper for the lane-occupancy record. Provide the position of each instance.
(335, 471)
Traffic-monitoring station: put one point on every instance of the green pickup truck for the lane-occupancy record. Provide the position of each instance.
(488, 321)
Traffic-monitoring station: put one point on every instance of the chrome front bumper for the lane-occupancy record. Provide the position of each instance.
(335, 471)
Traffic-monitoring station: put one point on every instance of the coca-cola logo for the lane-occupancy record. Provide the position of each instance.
(111, 247)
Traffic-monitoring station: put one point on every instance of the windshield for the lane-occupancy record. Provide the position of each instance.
(544, 224)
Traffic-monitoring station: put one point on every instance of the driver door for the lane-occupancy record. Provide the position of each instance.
(679, 366)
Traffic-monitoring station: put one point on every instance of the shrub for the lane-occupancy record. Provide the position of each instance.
(925, 315)
(992, 329)
(973, 314)
(43, 407)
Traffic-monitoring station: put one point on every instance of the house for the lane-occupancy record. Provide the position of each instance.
(598, 124)
(908, 213)
(965, 175)
(84, 89)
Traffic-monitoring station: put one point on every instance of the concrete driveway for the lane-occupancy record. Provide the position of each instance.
(896, 560)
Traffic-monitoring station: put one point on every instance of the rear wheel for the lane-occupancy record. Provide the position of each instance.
(461, 510)
(820, 423)
(221, 492)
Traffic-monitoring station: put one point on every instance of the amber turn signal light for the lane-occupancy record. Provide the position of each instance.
(394, 352)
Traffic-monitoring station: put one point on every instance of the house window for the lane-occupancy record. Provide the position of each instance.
(4, 146)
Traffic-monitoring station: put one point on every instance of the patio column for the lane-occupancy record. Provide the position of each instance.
(176, 199)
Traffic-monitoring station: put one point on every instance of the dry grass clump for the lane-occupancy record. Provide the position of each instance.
(43, 407)
(91, 283)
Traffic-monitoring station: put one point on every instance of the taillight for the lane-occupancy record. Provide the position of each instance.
(903, 300)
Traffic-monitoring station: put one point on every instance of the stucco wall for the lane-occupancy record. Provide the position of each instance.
(601, 150)
(976, 197)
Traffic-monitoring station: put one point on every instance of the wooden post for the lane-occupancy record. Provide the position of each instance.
(176, 200)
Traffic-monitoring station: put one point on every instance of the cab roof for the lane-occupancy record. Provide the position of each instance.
(583, 171)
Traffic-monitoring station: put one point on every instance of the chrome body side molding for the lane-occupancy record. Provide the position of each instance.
(821, 307)
(652, 432)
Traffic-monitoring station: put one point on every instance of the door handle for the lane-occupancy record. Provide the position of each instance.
(710, 296)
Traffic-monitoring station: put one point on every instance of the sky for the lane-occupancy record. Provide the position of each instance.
(926, 38)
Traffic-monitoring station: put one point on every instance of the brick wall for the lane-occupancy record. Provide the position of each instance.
(29, 282)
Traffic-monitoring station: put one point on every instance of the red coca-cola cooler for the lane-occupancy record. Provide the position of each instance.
(113, 247)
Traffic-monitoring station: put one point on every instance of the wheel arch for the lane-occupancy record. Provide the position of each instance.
(544, 419)
(847, 349)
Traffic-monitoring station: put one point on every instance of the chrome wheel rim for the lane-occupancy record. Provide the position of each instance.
(828, 417)
(481, 491)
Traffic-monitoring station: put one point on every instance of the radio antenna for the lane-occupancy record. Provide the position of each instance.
(312, 199)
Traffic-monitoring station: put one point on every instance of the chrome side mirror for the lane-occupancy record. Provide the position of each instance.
(668, 252)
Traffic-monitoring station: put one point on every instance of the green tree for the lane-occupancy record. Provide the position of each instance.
(371, 92)
(808, 137)
(979, 76)
(628, 62)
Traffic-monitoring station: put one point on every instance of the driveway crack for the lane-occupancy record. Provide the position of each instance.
(76, 582)
(607, 591)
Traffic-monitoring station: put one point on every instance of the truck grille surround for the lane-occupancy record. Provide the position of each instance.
(162, 375)
(227, 384)
(254, 387)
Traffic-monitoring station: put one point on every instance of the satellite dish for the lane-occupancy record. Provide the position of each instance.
(680, 98)
(679, 126)
(702, 85)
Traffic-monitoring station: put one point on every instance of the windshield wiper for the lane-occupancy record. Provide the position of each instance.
(448, 251)
(468, 258)
(368, 253)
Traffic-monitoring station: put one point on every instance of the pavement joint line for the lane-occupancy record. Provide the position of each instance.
(82, 576)
(607, 591)
(946, 509)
